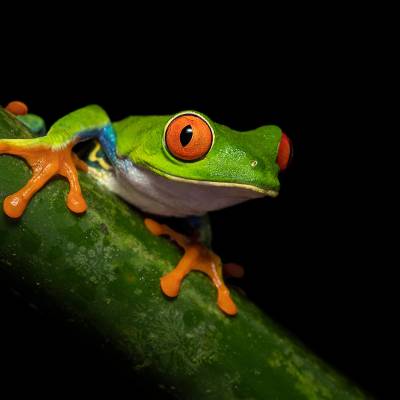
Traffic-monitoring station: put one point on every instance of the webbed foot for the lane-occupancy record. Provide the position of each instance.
(45, 163)
(196, 257)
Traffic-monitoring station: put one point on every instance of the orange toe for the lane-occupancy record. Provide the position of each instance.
(45, 163)
(170, 284)
(14, 205)
(79, 164)
(226, 303)
(196, 257)
(154, 227)
(76, 203)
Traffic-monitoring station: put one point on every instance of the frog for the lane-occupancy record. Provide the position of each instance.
(179, 166)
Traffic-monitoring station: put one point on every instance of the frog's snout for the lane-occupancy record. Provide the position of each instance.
(285, 152)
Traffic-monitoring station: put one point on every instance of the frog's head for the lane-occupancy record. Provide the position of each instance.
(200, 165)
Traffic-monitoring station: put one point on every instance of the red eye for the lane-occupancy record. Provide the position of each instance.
(285, 152)
(188, 137)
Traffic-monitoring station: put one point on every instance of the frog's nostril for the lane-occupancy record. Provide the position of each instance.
(285, 152)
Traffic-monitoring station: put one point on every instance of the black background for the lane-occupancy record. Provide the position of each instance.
(315, 257)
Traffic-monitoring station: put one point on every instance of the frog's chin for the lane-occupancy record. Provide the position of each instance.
(174, 196)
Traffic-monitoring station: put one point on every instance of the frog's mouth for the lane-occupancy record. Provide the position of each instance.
(252, 188)
(284, 156)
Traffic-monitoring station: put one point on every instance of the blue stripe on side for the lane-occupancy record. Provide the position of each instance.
(106, 137)
(108, 140)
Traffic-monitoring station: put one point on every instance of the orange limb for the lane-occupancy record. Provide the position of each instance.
(45, 163)
(196, 257)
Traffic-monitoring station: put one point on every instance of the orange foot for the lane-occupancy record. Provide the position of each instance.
(45, 164)
(197, 257)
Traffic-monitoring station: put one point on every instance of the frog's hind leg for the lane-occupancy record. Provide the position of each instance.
(45, 163)
(196, 257)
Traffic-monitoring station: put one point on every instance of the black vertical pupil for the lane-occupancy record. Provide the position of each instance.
(186, 135)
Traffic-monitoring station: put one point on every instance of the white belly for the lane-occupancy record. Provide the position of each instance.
(162, 196)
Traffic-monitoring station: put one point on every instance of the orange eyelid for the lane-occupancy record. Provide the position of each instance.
(200, 143)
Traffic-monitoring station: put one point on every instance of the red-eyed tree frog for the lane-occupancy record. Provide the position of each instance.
(181, 165)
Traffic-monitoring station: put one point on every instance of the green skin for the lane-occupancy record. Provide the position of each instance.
(229, 160)
(239, 165)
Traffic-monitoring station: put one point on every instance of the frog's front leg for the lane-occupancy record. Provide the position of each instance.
(45, 163)
(196, 257)
(52, 155)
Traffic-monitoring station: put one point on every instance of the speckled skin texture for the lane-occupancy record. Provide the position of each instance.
(231, 158)
(103, 268)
